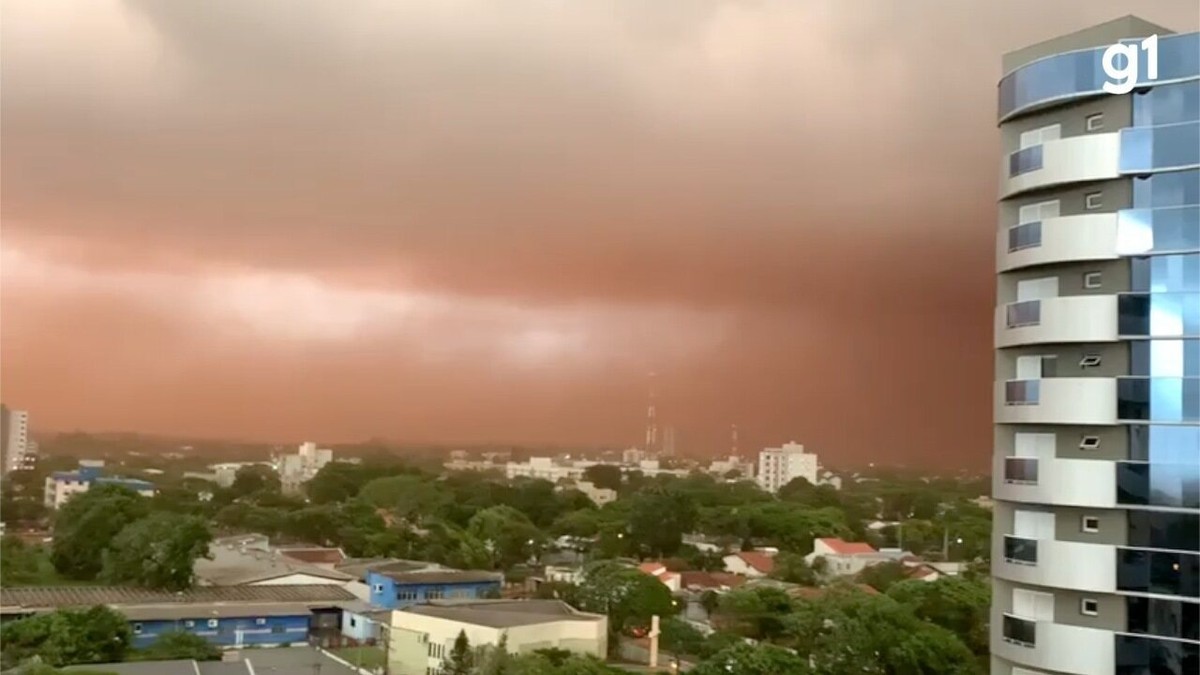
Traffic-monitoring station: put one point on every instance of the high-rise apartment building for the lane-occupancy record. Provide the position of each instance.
(779, 466)
(1096, 543)
(14, 439)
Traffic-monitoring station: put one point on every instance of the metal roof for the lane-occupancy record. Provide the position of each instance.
(17, 600)
(502, 613)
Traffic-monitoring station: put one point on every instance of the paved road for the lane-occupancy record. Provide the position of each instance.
(293, 661)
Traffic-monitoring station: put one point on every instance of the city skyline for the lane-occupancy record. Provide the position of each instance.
(433, 224)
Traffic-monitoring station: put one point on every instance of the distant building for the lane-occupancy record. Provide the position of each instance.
(62, 485)
(405, 583)
(779, 466)
(632, 456)
(547, 468)
(752, 564)
(14, 439)
(421, 637)
(848, 558)
(296, 470)
(721, 467)
(249, 560)
(599, 496)
(222, 474)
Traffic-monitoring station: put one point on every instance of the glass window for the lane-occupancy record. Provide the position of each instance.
(1168, 104)
(1168, 618)
(1158, 572)
(1164, 529)
(1021, 470)
(1137, 655)
(1020, 550)
(1165, 358)
(1162, 443)
(1027, 313)
(1020, 631)
(1166, 229)
(1159, 399)
(1145, 149)
(1022, 392)
(1028, 235)
(1178, 188)
(1158, 314)
(1025, 160)
(1165, 273)
(1081, 73)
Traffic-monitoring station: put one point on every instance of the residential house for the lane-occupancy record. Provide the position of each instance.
(848, 558)
(751, 564)
(405, 583)
(659, 571)
(421, 637)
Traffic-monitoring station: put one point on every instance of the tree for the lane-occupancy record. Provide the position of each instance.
(756, 613)
(628, 596)
(178, 646)
(882, 576)
(87, 524)
(408, 496)
(792, 568)
(461, 661)
(954, 603)
(507, 533)
(547, 662)
(800, 491)
(847, 630)
(19, 562)
(659, 518)
(580, 523)
(605, 476)
(158, 551)
(66, 637)
(745, 659)
(253, 479)
(679, 638)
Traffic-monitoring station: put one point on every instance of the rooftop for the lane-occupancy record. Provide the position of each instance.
(232, 565)
(33, 598)
(314, 555)
(501, 613)
(279, 660)
(439, 576)
(758, 560)
(842, 547)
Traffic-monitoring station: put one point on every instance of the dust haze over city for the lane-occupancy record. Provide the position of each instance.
(459, 222)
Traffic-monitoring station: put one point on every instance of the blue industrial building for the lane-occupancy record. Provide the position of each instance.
(226, 616)
(403, 584)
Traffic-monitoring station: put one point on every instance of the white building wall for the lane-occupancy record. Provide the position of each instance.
(779, 466)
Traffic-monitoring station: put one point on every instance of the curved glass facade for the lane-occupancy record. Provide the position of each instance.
(1181, 188)
(1167, 443)
(1169, 104)
(1165, 358)
(1170, 229)
(1164, 148)
(1165, 273)
(1159, 399)
(1159, 314)
(1079, 74)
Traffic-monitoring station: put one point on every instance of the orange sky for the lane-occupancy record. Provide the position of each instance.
(461, 221)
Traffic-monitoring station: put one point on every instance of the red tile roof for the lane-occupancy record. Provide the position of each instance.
(847, 547)
(759, 561)
(653, 568)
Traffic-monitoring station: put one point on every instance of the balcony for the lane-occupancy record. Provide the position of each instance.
(1090, 236)
(1055, 481)
(1075, 318)
(1046, 645)
(1056, 400)
(1067, 160)
(1062, 564)
(1020, 551)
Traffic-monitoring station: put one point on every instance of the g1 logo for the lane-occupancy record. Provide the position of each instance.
(1124, 78)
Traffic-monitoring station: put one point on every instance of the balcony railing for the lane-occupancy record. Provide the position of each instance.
(1020, 631)
(1024, 161)
(1021, 470)
(1022, 392)
(1023, 236)
(1020, 550)
(1025, 313)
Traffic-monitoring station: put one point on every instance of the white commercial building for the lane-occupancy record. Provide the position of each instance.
(421, 637)
(547, 468)
(60, 486)
(296, 470)
(779, 466)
